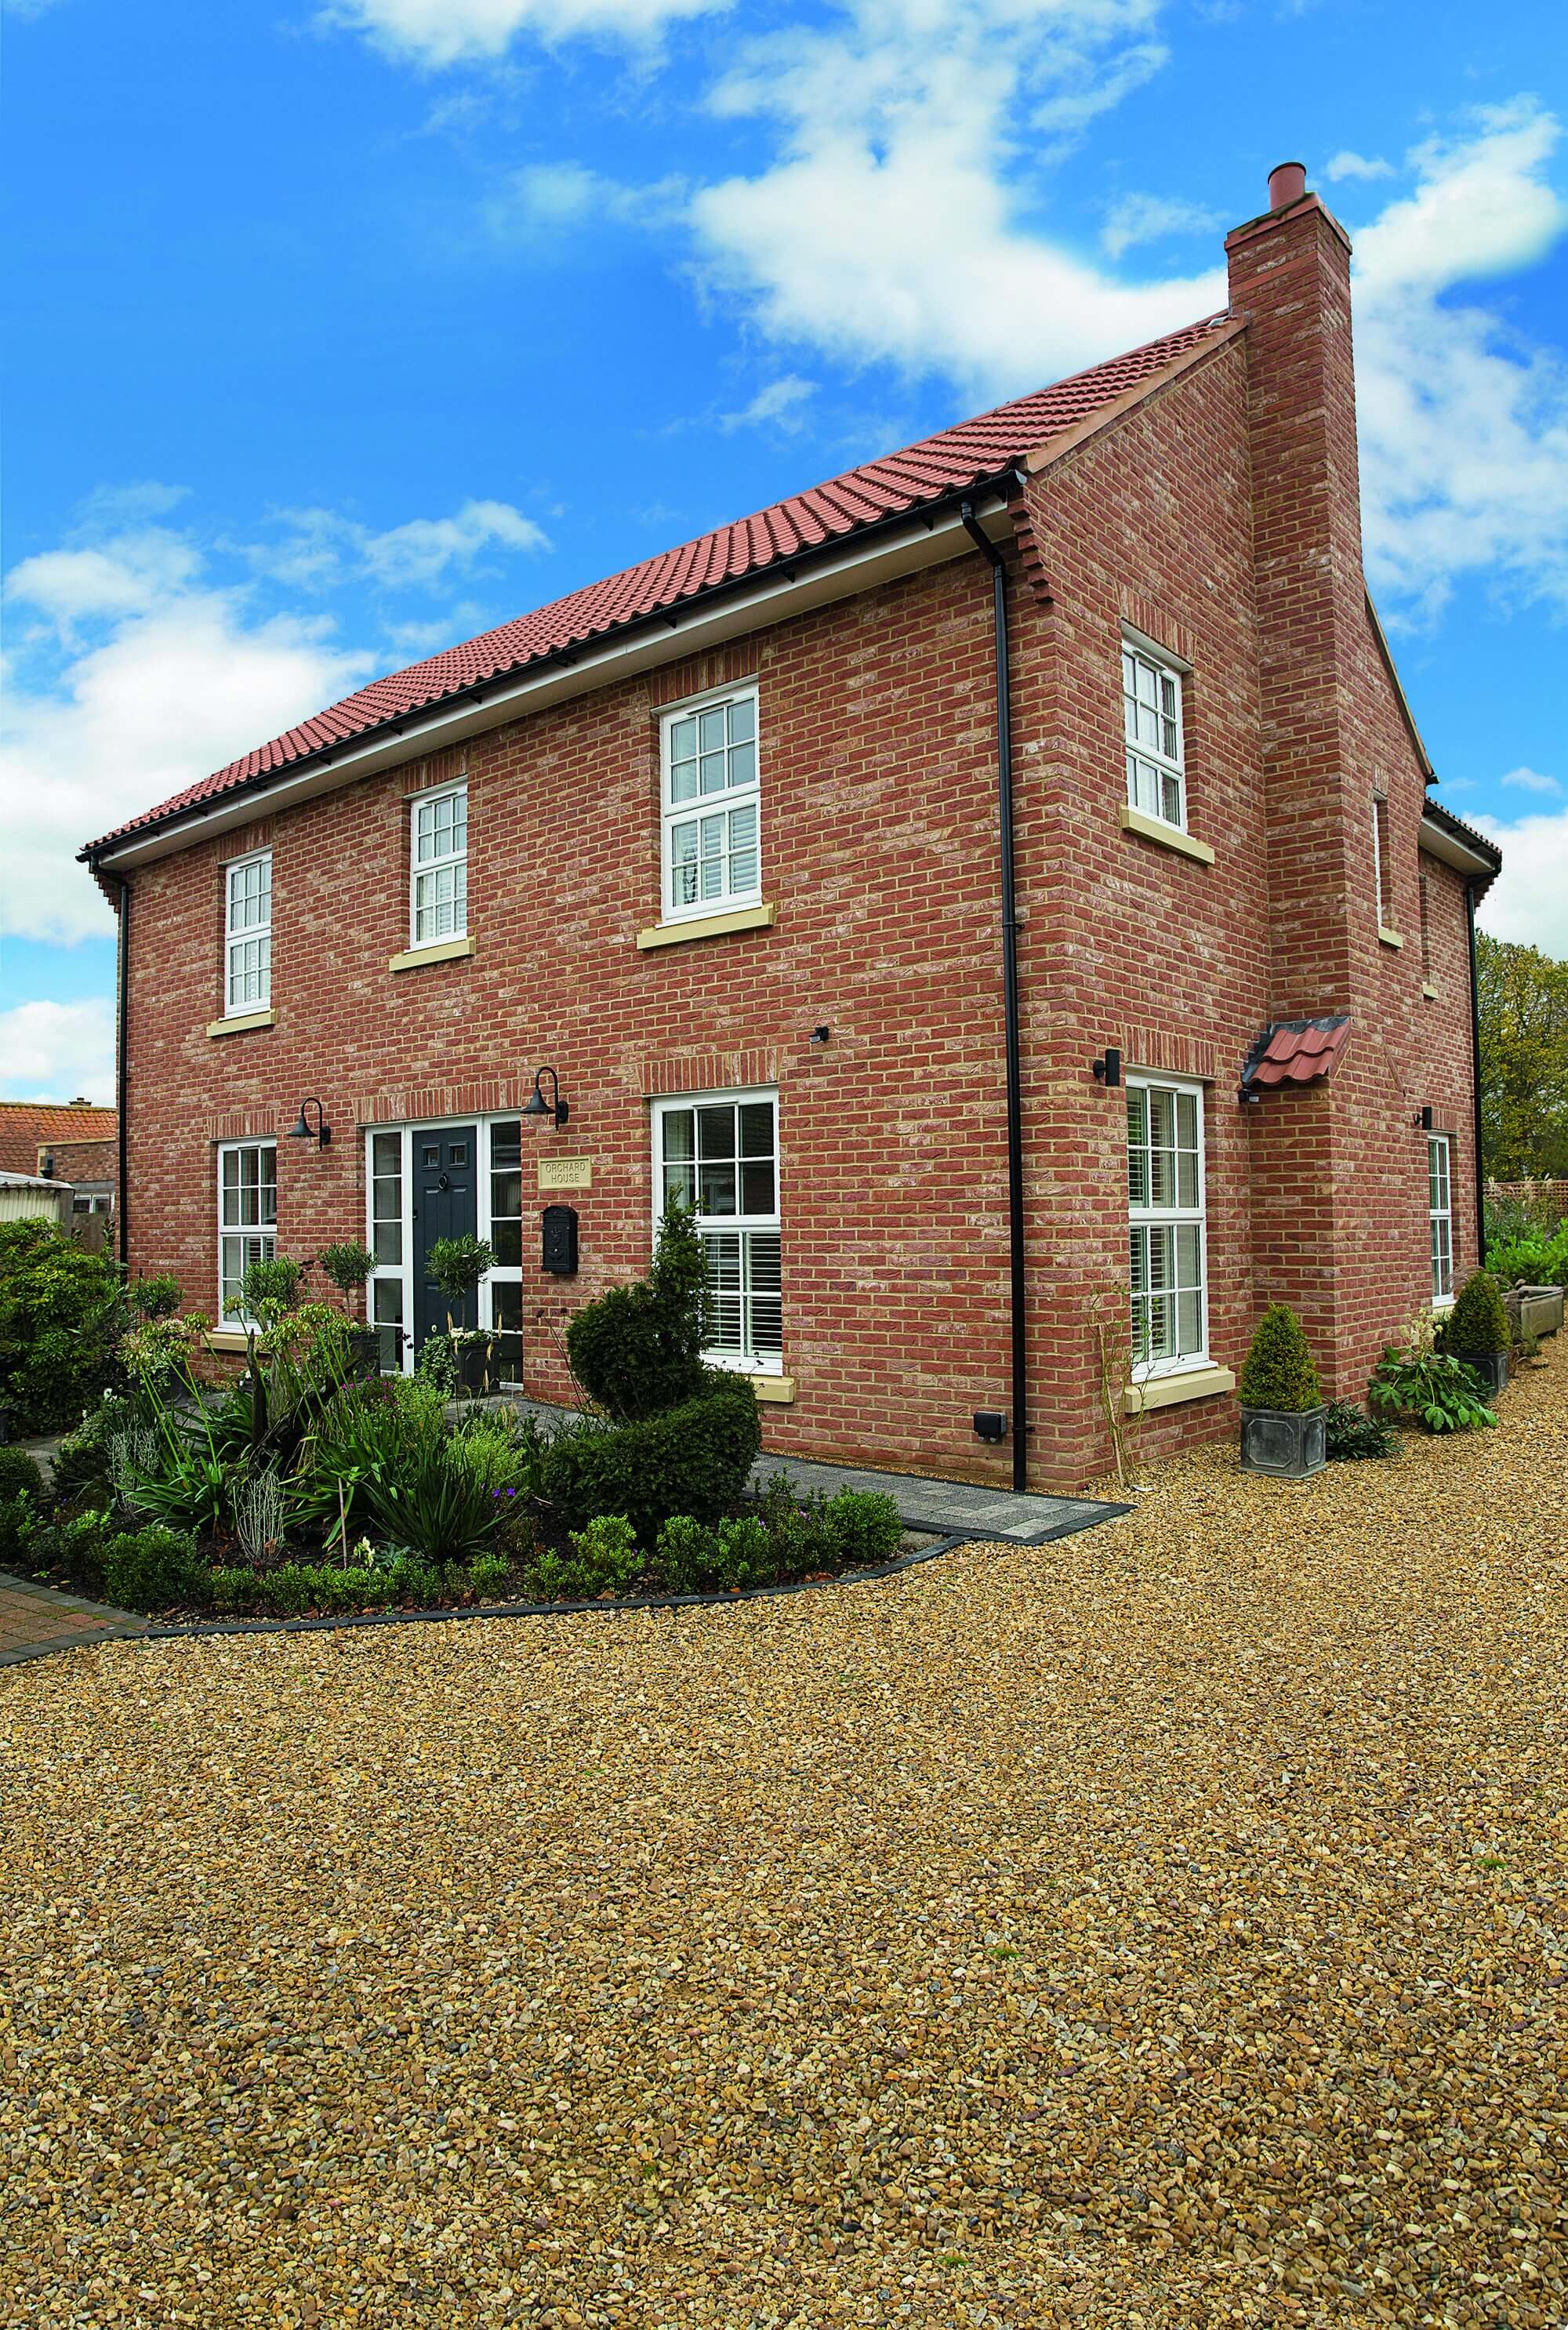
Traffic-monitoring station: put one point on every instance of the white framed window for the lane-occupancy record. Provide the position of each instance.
(709, 792)
(247, 1218)
(1151, 716)
(439, 892)
(717, 1154)
(1440, 1216)
(1166, 1202)
(1380, 861)
(247, 933)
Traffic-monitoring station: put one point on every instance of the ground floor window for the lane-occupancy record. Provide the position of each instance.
(247, 1218)
(1439, 1213)
(718, 1155)
(1165, 1177)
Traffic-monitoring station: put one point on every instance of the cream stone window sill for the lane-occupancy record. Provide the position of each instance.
(1388, 938)
(227, 1338)
(1169, 836)
(1171, 1391)
(706, 926)
(776, 1390)
(1429, 991)
(439, 951)
(239, 1023)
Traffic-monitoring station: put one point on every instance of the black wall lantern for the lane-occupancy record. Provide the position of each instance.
(555, 1108)
(990, 1425)
(1107, 1067)
(320, 1131)
(1423, 1118)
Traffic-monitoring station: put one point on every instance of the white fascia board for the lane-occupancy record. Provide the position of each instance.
(1439, 842)
(683, 631)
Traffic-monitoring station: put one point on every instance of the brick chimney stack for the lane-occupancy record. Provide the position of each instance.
(1289, 274)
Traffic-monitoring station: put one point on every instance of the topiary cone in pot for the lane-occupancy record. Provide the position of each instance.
(1477, 1331)
(1283, 1409)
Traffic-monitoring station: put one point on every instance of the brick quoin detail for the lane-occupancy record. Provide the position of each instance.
(1219, 517)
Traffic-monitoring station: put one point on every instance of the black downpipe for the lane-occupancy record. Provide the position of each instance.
(1019, 1425)
(122, 1013)
(1476, 1081)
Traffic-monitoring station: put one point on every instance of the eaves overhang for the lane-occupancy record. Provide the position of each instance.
(1444, 835)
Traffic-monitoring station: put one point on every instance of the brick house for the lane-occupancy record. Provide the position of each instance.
(66, 1141)
(1014, 853)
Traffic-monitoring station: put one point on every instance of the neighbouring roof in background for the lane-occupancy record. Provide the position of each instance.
(938, 466)
(1296, 1051)
(28, 1125)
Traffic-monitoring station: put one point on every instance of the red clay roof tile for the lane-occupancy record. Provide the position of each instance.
(886, 487)
(1296, 1052)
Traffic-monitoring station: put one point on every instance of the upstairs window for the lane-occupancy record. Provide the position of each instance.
(248, 933)
(1151, 714)
(441, 866)
(719, 1157)
(1380, 862)
(1164, 1181)
(246, 1220)
(1440, 1214)
(708, 794)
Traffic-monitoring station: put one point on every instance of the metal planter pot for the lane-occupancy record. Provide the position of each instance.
(1288, 1445)
(1492, 1367)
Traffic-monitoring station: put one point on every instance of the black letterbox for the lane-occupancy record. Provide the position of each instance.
(558, 1252)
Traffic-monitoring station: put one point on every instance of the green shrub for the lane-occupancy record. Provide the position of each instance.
(157, 1297)
(685, 1555)
(1432, 1386)
(20, 1475)
(346, 1265)
(83, 1468)
(457, 1264)
(21, 1522)
(743, 1554)
(489, 1577)
(234, 1592)
(638, 1350)
(61, 1310)
(693, 1459)
(1279, 1373)
(153, 1570)
(413, 1584)
(606, 1554)
(861, 1527)
(1477, 1322)
(436, 1367)
(433, 1504)
(271, 1287)
(1350, 1435)
(1534, 1258)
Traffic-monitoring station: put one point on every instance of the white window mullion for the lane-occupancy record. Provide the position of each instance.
(1151, 714)
(439, 875)
(709, 810)
(248, 933)
(1439, 1215)
(246, 1220)
(717, 1154)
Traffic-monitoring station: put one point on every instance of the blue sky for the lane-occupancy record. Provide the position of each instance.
(344, 333)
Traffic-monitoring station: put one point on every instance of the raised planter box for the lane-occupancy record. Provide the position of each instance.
(1492, 1367)
(1288, 1443)
(1534, 1310)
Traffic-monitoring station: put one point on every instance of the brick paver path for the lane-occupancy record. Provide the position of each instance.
(36, 1619)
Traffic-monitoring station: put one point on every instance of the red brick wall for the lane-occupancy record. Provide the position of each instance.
(82, 1161)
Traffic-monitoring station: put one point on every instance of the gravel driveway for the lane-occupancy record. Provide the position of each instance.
(1161, 1927)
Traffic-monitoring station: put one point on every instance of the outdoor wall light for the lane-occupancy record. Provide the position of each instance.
(1107, 1067)
(1249, 1096)
(820, 1035)
(990, 1425)
(320, 1131)
(555, 1108)
(1423, 1118)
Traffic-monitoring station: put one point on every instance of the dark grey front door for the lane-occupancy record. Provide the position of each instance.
(446, 1204)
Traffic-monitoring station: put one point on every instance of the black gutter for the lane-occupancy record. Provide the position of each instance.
(978, 536)
(122, 968)
(558, 659)
(1476, 1080)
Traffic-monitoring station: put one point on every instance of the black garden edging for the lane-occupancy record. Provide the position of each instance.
(614, 1606)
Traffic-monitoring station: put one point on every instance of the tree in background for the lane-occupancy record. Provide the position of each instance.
(1523, 1010)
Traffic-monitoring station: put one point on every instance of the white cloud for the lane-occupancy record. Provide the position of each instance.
(58, 1052)
(546, 206)
(1348, 164)
(445, 32)
(886, 226)
(1464, 428)
(321, 549)
(1147, 218)
(1528, 901)
(177, 678)
(780, 403)
(1531, 781)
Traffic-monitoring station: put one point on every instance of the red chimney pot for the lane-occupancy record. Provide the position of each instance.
(1287, 184)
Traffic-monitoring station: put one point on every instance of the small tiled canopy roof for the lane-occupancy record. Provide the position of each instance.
(1296, 1052)
(951, 462)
